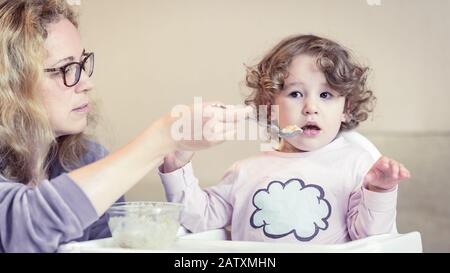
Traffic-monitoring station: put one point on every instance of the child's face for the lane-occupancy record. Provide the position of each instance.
(308, 102)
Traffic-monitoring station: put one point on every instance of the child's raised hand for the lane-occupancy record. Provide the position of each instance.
(176, 160)
(385, 174)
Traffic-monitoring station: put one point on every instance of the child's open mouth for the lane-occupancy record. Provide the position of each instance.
(311, 130)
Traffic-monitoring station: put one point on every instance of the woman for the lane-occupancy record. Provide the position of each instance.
(55, 184)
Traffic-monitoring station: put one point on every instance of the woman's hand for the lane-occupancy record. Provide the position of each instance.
(202, 125)
(210, 126)
(385, 174)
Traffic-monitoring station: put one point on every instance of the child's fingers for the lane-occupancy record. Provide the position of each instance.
(369, 177)
(385, 166)
(376, 171)
(394, 169)
(390, 168)
(382, 164)
(386, 173)
(404, 173)
(373, 175)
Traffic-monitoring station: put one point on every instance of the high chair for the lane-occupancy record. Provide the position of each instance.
(408, 242)
(219, 240)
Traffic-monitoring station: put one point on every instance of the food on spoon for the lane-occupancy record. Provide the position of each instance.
(290, 129)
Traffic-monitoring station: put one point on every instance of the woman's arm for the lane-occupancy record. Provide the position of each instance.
(107, 179)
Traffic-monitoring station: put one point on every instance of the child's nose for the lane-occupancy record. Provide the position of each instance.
(310, 108)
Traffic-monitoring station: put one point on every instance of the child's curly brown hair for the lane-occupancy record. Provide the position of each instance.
(342, 73)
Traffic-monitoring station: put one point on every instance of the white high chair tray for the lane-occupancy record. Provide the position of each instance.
(213, 242)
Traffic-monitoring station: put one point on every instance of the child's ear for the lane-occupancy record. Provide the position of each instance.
(346, 116)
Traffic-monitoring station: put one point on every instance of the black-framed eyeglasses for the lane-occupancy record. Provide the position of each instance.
(71, 72)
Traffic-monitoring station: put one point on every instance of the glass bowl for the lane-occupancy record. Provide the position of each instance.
(144, 225)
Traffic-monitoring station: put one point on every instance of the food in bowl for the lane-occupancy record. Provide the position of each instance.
(144, 225)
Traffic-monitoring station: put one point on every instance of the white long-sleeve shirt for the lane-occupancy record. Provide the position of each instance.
(314, 197)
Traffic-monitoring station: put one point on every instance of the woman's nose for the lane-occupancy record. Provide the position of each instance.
(85, 84)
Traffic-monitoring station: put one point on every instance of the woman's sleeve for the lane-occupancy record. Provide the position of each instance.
(57, 211)
(100, 228)
(41, 218)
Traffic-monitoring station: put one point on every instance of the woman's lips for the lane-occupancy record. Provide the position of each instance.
(82, 109)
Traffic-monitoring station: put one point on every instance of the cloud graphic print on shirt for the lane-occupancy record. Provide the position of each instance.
(291, 207)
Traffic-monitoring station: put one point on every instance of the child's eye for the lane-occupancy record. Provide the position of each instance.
(326, 95)
(296, 94)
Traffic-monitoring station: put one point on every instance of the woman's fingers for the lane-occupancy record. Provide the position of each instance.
(221, 122)
(229, 113)
(218, 130)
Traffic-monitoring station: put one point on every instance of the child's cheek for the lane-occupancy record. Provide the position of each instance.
(289, 112)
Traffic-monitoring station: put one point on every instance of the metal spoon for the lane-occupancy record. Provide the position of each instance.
(273, 127)
(284, 132)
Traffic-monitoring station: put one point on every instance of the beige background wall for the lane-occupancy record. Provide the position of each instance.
(154, 54)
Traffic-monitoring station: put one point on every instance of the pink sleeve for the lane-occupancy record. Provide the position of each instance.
(371, 213)
(203, 209)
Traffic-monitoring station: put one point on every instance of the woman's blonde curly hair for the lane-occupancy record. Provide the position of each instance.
(266, 79)
(28, 146)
